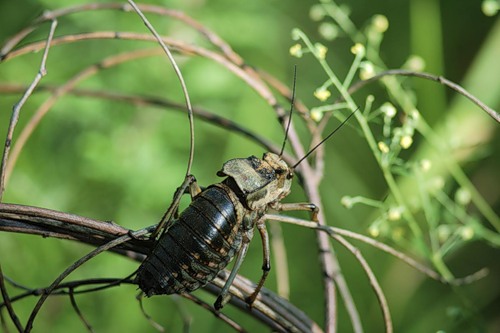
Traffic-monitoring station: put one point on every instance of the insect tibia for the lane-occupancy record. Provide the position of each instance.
(298, 206)
(221, 301)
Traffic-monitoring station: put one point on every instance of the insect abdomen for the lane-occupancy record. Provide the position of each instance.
(196, 248)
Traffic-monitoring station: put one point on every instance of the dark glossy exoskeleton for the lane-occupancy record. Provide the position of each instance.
(197, 247)
(216, 226)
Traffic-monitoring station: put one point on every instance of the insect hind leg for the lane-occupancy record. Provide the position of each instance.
(261, 226)
(168, 219)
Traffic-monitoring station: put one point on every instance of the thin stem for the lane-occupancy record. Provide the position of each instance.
(373, 281)
(280, 260)
(8, 304)
(17, 107)
(368, 135)
(78, 312)
(69, 270)
(233, 324)
(152, 101)
(381, 246)
(428, 76)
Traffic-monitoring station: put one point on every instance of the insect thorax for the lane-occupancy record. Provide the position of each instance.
(260, 182)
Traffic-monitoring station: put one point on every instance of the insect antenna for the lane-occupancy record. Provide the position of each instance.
(181, 80)
(167, 217)
(291, 111)
(326, 138)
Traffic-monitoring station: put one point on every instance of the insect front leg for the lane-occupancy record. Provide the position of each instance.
(299, 206)
(169, 217)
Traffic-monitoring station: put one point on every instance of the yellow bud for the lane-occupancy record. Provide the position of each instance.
(358, 48)
(436, 183)
(388, 109)
(380, 23)
(383, 147)
(406, 141)
(415, 115)
(328, 31)
(316, 114)
(394, 213)
(463, 196)
(322, 94)
(321, 49)
(296, 50)
(317, 12)
(466, 232)
(367, 70)
(415, 63)
(346, 201)
(374, 231)
(490, 7)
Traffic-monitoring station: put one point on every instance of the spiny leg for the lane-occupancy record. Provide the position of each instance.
(193, 190)
(168, 218)
(266, 265)
(299, 206)
(224, 296)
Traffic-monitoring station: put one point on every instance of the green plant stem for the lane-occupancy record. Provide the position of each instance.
(398, 197)
(426, 40)
(475, 78)
(460, 176)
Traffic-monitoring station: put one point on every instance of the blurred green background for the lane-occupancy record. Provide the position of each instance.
(113, 161)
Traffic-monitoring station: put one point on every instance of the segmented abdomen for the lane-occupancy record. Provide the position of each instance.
(196, 248)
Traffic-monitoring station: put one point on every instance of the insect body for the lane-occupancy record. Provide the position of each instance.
(216, 226)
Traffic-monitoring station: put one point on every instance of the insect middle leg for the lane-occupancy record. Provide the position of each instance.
(224, 296)
(266, 264)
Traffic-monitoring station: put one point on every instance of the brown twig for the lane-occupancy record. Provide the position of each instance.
(17, 107)
(372, 278)
(233, 63)
(383, 247)
(78, 312)
(210, 35)
(70, 269)
(8, 304)
(33, 220)
(40, 113)
(328, 260)
(234, 325)
(452, 85)
(201, 113)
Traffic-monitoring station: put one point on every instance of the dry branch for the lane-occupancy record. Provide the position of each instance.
(269, 308)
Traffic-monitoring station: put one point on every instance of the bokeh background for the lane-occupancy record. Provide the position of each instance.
(113, 161)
